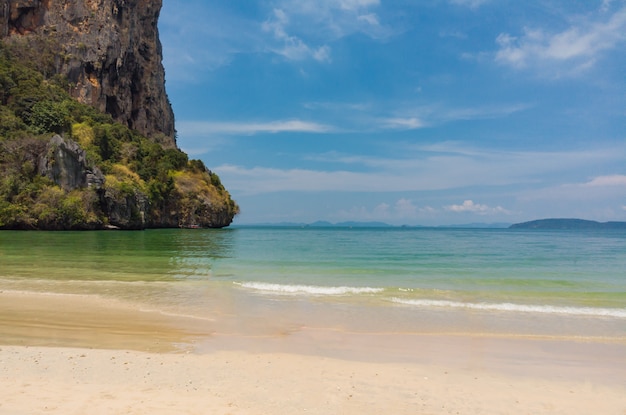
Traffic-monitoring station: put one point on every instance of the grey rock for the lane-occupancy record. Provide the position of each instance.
(65, 163)
(126, 211)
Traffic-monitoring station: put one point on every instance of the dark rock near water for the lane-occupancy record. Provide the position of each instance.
(125, 211)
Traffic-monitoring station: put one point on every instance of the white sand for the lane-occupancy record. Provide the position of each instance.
(68, 356)
(36, 380)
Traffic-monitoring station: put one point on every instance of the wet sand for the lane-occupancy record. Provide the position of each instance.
(75, 354)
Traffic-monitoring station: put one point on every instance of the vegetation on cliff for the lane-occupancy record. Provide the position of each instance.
(95, 173)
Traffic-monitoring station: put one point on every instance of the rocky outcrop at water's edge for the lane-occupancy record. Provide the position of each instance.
(65, 165)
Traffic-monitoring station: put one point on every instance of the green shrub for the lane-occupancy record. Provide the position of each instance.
(49, 117)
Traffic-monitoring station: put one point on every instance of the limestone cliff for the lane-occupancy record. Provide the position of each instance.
(108, 49)
(65, 165)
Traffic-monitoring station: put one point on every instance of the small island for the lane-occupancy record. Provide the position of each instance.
(574, 224)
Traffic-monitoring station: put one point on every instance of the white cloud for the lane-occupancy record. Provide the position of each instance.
(204, 128)
(470, 206)
(292, 47)
(329, 20)
(571, 51)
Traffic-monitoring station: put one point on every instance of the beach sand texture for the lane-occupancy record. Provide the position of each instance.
(80, 381)
(146, 363)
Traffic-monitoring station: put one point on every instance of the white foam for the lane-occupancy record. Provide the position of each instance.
(545, 309)
(307, 289)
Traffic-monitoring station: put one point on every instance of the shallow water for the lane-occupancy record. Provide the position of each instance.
(267, 280)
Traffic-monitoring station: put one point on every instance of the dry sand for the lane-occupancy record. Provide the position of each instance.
(59, 361)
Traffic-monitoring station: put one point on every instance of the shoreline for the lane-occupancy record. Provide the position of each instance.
(108, 357)
(31, 317)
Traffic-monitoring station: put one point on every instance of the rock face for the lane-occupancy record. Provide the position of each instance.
(65, 163)
(108, 49)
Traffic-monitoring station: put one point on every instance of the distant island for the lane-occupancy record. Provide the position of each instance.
(548, 224)
(568, 224)
(356, 224)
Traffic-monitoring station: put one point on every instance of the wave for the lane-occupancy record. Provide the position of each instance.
(525, 308)
(307, 289)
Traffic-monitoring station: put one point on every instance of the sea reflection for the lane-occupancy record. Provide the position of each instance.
(151, 255)
(194, 253)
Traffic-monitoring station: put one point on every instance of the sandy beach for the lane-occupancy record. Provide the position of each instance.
(75, 355)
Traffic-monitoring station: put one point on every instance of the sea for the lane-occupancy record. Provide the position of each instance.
(263, 280)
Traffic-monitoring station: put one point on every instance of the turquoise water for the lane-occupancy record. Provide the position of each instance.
(466, 266)
(403, 272)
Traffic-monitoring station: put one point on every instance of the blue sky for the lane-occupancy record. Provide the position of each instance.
(408, 112)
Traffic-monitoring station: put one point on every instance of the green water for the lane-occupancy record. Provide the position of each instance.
(404, 272)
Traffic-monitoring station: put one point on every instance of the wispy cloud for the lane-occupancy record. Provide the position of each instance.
(479, 112)
(436, 167)
(403, 123)
(338, 106)
(289, 46)
(579, 46)
(204, 128)
(601, 187)
(410, 118)
(402, 116)
(329, 20)
(304, 29)
(297, 30)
